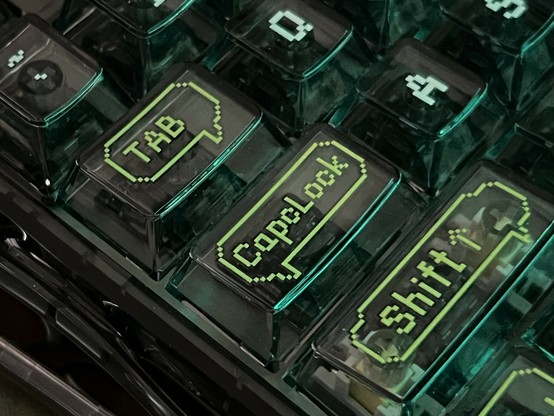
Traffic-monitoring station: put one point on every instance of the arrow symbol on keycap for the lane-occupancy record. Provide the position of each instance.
(158, 3)
(15, 59)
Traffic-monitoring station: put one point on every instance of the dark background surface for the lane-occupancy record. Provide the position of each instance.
(14, 401)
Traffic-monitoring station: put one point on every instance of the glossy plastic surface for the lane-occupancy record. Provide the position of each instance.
(137, 41)
(424, 112)
(268, 261)
(414, 312)
(384, 22)
(297, 59)
(510, 42)
(48, 92)
(163, 173)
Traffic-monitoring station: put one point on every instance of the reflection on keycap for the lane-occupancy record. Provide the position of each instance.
(49, 94)
(137, 41)
(413, 314)
(383, 22)
(171, 167)
(284, 254)
(298, 60)
(536, 120)
(424, 112)
(525, 389)
(512, 41)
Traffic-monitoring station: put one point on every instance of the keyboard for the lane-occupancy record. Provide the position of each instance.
(278, 207)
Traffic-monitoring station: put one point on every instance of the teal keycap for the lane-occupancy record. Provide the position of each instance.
(53, 101)
(170, 167)
(424, 112)
(509, 42)
(412, 314)
(529, 157)
(384, 22)
(501, 368)
(138, 41)
(297, 59)
(285, 253)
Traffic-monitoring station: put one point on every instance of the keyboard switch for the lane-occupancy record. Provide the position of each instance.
(171, 167)
(50, 94)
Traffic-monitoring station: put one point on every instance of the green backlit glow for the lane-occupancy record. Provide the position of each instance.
(277, 231)
(302, 28)
(531, 376)
(427, 296)
(169, 129)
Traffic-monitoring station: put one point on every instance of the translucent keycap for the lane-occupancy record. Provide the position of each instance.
(137, 41)
(52, 101)
(424, 112)
(530, 157)
(46, 10)
(229, 8)
(171, 167)
(297, 59)
(511, 41)
(286, 252)
(536, 120)
(523, 388)
(383, 22)
(416, 310)
(486, 364)
(542, 334)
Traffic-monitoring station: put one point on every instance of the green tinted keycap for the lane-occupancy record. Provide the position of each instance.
(137, 41)
(509, 42)
(424, 112)
(52, 101)
(493, 372)
(411, 316)
(297, 59)
(286, 252)
(172, 166)
(384, 22)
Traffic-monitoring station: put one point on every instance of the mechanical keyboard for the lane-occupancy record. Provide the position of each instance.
(278, 207)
